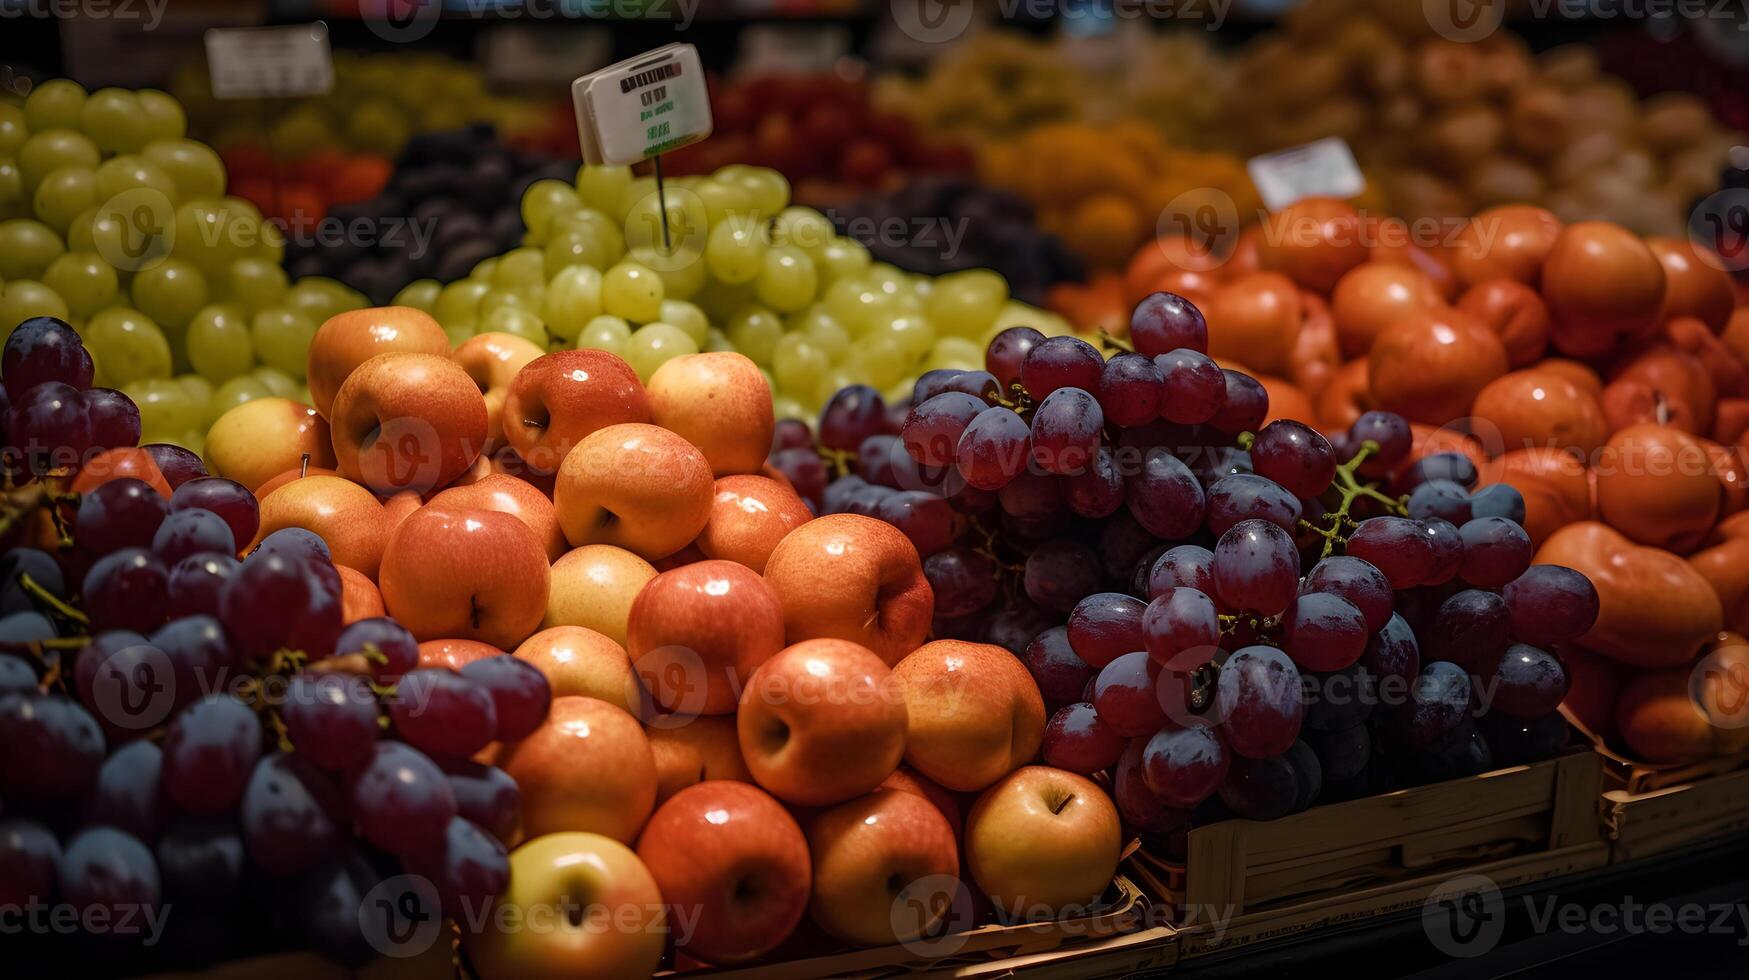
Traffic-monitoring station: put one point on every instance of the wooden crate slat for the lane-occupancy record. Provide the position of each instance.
(1644, 824)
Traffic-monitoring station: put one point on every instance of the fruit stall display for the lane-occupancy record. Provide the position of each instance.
(119, 224)
(1450, 127)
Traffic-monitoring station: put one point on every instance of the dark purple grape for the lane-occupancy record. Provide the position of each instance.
(1456, 467)
(1192, 387)
(293, 816)
(933, 428)
(874, 460)
(1342, 753)
(852, 415)
(1104, 626)
(1007, 350)
(1098, 490)
(402, 802)
(805, 470)
(994, 448)
(927, 520)
(1447, 547)
(267, 601)
(1077, 740)
(1471, 629)
(1339, 698)
(1061, 362)
(1244, 496)
(1163, 322)
(520, 693)
(1258, 700)
(1184, 566)
(1245, 407)
(978, 384)
(1124, 695)
(441, 713)
(120, 513)
(1062, 676)
(1527, 682)
(179, 466)
(1396, 546)
(196, 584)
(1060, 573)
(1358, 581)
(1066, 428)
(1466, 754)
(964, 581)
(295, 543)
(1496, 551)
(1261, 789)
(1181, 629)
(209, 754)
(484, 795)
(16, 674)
(1392, 434)
(226, 498)
(111, 879)
(1499, 500)
(192, 532)
(1442, 499)
(115, 419)
(1129, 390)
(1256, 568)
(1033, 495)
(40, 350)
(1438, 706)
(1308, 771)
(473, 868)
(1550, 604)
(386, 646)
(791, 434)
(1392, 656)
(333, 914)
(331, 719)
(1185, 766)
(1323, 632)
(1294, 455)
(1165, 497)
(1139, 806)
(42, 569)
(127, 589)
(127, 794)
(30, 863)
(50, 427)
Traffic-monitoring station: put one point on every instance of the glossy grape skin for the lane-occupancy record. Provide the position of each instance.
(294, 543)
(1124, 695)
(331, 719)
(852, 415)
(1261, 788)
(978, 384)
(1323, 632)
(1165, 497)
(1137, 803)
(268, 600)
(473, 868)
(1447, 548)
(120, 513)
(26, 627)
(115, 419)
(50, 427)
(1440, 498)
(805, 470)
(192, 532)
(1455, 467)
(1343, 752)
(1258, 700)
(1076, 739)
(1192, 387)
(226, 498)
(42, 569)
(1060, 673)
(519, 691)
(30, 861)
(110, 877)
(196, 583)
(1496, 551)
(291, 815)
(927, 520)
(1181, 629)
(1527, 682)
(963, 581)
(1256, 568)
(1393, 653)
(1130, 390)
(442, 713)
(994, 448)
(1163, 322)
(1499, 500)
(1245, 406)
(1060, 573)
(1066, 428)
(179, 466)
(1007, 350)
(1437, 708)
(209, 753)
(402, 801)
(1243, 496)
(1471, 629)
(43, 349)
(1033, 495)
(1396, 546)
(485, 796)
(126, 792)
(53, 747)
(1061, 362)
(1550, 604)
(16, 674)
(127, 589)
(932, 430)
(1104, 626)
(1294, 455)
(1185, 766)
(1358, 581)
(1188, 566)
(1098, 490)
(1392, 434)
(1014, 626)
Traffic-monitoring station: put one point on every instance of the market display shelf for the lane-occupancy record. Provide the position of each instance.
(1650, 811)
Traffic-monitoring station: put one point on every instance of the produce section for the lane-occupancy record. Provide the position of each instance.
(1067, 494)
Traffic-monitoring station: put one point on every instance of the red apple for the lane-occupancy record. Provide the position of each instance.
(907, 779)
(975, 713)
(886, 868)
(1043, 842)
(579, 661)
(588, 767)
(466, 573)
(559, 398)
(340, 512)
(508, 495)
(749, 516)
(349, 339)
(407, 422)
(454, 653)
(359, 598)
(492, 360)
(699, 631)
(637, 486)
(854, 578)
(721, 403)
(692, 750)
(260, 439)
(732, 859)
(821, 722)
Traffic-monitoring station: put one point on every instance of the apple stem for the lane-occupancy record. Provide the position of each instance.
(1063, 804)
(304, 466)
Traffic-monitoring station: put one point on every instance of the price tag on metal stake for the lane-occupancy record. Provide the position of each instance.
(1323, 168)
(642, 107)
(269, 62)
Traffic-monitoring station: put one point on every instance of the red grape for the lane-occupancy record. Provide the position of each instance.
(1061, 362)
(1032, 496)
(1181, 629)
(1527, 682)
(1550, 604)
(1098, 490)
(1167, 321)
(1124, 695)
(791, 434)
(1188, 566)
(1184, 766)
(50, 428)
(1256, 568)
(1496, 551)
(484, 795)
(442, 713)
(1192, 387)
(226, 498)
(1438, 706)
(1471, 629)
(1129, 390)
(473, 868)
(1392, 653)
(1261, 788)
(805, 470)
(519, 691)
(927, 520)
(1396, 546)
(402, 802)
(1294, 455)
(196, 584)
(1060, 573)
(1392, 434)
(111, 879)
(1244, 496)
(852, 415)
(1060, 673)
(127, 589)
(1105, 626)
(1078, 740)
(179, 466)
(209, 753)
(1245, 407)
(1258, 699)
(1137, 803)
(115, 419)
(1006, 352)
(388, 648)
(994, 448)
(53, 747)
(1358, 581)
(120, 513)
(292, 815)
(1165, 497)
(1324, 632)
(41, 350)
(1447, 547)
(932, 430)
(271, 601)
(30, 859)
(191, 532)
(963, 581)
(1066, 428)
(331, 719)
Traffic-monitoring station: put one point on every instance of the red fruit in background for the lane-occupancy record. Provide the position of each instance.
(359, 178)
(246, 160)
(864, 162)
(778, 145)
(827, 125)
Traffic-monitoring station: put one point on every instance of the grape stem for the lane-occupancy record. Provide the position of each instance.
(49, 599)
(1017, 400)
(1113, 341)
(1350, 489)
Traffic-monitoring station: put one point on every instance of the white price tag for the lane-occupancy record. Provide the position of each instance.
(643, 106)
(257, 62)
(1324, 168)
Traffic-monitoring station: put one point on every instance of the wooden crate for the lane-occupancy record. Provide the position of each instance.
(1648, 810)
(1243, 880)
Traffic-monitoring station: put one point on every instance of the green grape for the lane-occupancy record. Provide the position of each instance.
(632, 291)
(717, 342)
(518, 322)
(13, 129)
(1017, 314)
(162, 116)
(755, 332)
(497, 298)
(420, 294)
(655, 344)
(47, 152)
(803, 228)
(278, 383)
(787, 279)
(199, 389)
(167, 410)
(735, 251)
(858, 305)
(55, 104)
(900, 390)
(459, 333)
(24, 298)
(608, 333)
(11, 186)
(63, 194)
(85, 282)
(196, 169)
(318, 298)
(768, 188)
(171, 292)
(113, 117)
(880, 358)
(237, 391)
(796, 362)
(459, 303)
(282, 339)
(604, 230)
(218, 342)
(573, 248)
(542, 200)
(722, 200)
(130, 171)
(571, 300)
(127, 346)
(829, 336)
(787, 407)
(955, 353)
(688, 222)
(602, 188)
(682, 272)
(211, 234)
(634, 191)
(914, 336)
(964, 304)
(131, 232)
(841, 377)
(720, 300)
(843, 258)
(256, 284)
(521, 269)
(687, 317)
(483, 269)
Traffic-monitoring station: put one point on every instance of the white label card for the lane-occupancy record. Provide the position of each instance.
(642, 107)
(1324, 168)
(268, 62)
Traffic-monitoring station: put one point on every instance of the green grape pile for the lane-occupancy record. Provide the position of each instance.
(740, 269)
(114, 221)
